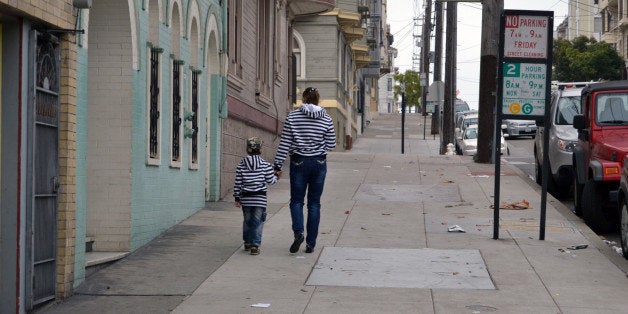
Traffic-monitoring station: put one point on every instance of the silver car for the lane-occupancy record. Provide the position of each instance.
(516, 128)
(563, 138)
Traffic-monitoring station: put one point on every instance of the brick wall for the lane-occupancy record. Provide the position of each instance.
(67, 168)
(55, 12)
(110, 95)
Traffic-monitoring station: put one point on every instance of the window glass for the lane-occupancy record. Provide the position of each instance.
(611, 108)
(566, 109)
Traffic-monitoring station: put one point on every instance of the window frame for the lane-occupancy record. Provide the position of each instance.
(153, 160)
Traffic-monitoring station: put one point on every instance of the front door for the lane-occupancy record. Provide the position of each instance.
(43, 168)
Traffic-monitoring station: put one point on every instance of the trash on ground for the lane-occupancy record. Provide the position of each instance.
(617, 249)
(260, 305)
(478, 175)
(455, 228)
(610, 243)
(447, 181)
(523, 204)
(578, 246)
(347, 212)
(299, 256)
(386, 214)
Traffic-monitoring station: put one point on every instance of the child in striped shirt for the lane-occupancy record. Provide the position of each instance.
(253, 173)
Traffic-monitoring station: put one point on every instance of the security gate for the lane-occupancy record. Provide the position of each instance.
(43, 168)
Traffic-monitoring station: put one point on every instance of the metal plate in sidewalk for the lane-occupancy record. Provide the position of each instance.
(401, 268)
(434, 193)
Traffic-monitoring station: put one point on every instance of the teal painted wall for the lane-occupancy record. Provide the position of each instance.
(163, 196)
(81, 166)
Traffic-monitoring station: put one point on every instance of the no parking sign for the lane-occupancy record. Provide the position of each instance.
(524, 77)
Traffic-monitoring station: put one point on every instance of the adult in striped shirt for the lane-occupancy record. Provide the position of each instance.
(253, 173)
(308, 134)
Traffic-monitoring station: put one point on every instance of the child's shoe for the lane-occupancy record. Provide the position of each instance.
(254, 250)
(247, 247)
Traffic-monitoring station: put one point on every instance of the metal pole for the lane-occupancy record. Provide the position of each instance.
(403, 119)
(425, 60)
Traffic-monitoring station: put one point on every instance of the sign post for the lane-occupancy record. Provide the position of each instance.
(524, 78)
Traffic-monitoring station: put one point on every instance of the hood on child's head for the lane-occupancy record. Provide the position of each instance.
(253, 162)
(313, 111)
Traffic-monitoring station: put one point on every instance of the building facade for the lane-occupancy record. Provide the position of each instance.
(583, 19)
(614, 22)
(338, 52)
(112, 137)
(38, 84)
(260, 82)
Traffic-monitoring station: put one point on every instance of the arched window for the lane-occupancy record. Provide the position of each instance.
(154, 84)
(298, 51)
(176, 66)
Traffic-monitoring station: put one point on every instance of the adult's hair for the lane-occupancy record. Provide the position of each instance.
(311, 96)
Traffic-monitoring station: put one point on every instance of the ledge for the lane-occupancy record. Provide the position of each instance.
(97, 258)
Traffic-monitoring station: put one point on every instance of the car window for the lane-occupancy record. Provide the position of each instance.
(461, 106)
(471, 133)
(567, 108)
(612, 108)
(469, 121)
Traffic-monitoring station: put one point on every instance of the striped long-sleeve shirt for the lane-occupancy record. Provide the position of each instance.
(253, 173)
(307, 131)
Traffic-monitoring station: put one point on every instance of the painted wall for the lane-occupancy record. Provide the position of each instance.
(10, 181)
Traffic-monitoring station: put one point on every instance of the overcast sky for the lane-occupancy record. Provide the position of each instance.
(400, 18)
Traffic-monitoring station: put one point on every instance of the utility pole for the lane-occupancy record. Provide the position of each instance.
(491, 10)
(425, 60)
(438, 58)
(450, 76)
(416, 35)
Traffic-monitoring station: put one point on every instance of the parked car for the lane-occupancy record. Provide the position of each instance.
(599, 156)
(516, 128)
(563, 138)
(622, 198)
(463, 121)
(461, 105)
(469, 141)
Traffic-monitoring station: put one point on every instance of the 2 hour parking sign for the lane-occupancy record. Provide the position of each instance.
(523, 88)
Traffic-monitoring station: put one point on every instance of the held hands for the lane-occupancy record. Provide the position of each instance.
(278, 173)
(237, 204)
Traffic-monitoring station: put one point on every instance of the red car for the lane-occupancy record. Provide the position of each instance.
(599, 156)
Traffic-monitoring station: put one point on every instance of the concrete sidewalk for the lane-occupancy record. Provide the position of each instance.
(383, 247)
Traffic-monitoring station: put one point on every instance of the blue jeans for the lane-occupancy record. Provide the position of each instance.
(307, 174)
(253, 224)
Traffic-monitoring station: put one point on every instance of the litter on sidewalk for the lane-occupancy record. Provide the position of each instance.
(455, 228)
(260, 305)
(523, 204)
(578, 246)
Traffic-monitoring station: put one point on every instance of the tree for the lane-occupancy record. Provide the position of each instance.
(585, 59)
(410, 79)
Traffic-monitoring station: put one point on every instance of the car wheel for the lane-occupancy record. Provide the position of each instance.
(624, 228)
(593, 209)
(577, 196)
